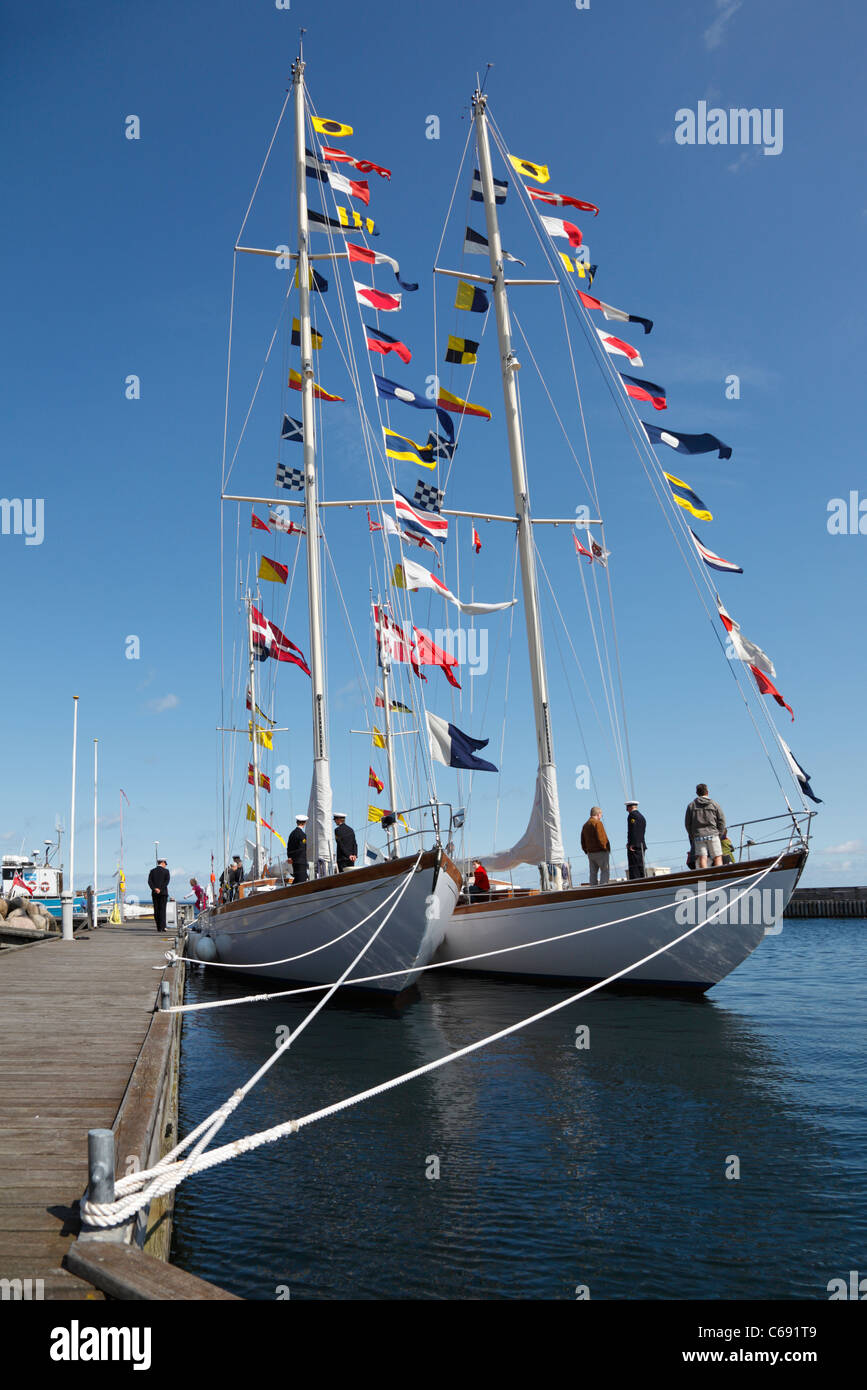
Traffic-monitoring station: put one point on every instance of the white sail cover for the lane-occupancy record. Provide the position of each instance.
(320, 821)
(542, 841)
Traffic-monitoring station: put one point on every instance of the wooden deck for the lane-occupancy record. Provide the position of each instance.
(73, 1017)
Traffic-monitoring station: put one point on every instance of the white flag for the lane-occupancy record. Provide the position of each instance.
(410, 575)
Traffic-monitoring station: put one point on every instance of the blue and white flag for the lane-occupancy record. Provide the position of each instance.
(390, 390)
(477, 245)
(800, 776)
(501, 188)
(686, 443)
(714, 562)
(430, 525)
(449, 745)
(440, 448)
(290, 478)
(292, 429)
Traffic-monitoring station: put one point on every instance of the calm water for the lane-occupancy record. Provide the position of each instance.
(558, 1167)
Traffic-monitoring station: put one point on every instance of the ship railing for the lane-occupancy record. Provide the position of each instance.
(790, 830)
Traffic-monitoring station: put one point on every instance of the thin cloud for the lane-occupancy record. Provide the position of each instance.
(713, 35)
(163, 703)
(847, 847)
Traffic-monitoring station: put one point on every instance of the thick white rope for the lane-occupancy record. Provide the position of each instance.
(447, 964)
(115, 1213)
(166, 1178)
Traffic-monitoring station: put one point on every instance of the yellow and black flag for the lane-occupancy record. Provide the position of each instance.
(539, 172)
(461, 350)
(322, 126)
(350, 218)
(296, 336)
(469, 297)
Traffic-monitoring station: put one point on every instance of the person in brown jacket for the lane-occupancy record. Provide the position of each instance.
(596, 845)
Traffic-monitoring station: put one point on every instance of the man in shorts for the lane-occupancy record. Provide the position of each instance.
(706, 827)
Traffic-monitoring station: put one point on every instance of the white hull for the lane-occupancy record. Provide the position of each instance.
(697, 963)
(302, 923)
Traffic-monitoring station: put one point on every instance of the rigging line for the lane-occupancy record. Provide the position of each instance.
(364, 681)
(611, 739)
(163, 1177)
(264, 165)
(240, 439)
(454, 194)
(506, 693)
(591, 489)
(575, 708)
(482, 720)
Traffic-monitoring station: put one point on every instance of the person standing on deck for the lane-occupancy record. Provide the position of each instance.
(635, 845)
(597, 846)
(296, 850)
(706, 827)
(158, 882)
(347, 845)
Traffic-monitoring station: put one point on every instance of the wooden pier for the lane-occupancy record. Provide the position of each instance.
(84, 1046)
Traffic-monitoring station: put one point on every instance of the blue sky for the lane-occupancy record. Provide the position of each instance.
(118, 258)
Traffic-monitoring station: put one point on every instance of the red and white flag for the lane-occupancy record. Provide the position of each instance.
(377, 299)
(18, 882)
(363, 166)
(362, 255)
(613, 315)
(618, 348)
(272, 642)
(744, 649)
(556, 226)
(767, 687)
(560, 200)
(285, 524)
(477, 543)
(353, 188)
(258, 524)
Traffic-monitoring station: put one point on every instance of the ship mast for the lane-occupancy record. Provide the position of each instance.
(258, 866)
(509, 366)
(319, 823)
(385, 667)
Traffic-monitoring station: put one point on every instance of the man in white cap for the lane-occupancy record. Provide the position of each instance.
(296, 849)
(635, 846)
(347, 846)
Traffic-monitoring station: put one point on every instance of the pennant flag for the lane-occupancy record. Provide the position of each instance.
(315, 282)
(262, 821)
(296, 336)
(270, 641)
(346, 217)
(18, 882)
(296, 382)
(420, 523)
(477, 541)
(410, 575)
(290, 478)
(440, 448)
(390, 390)
(261, 713)
(644, 390)
(280, 522)
(326, 127)
(539, 172)
(686, 498)
(556, 226)
(560, 200)
(376, 299)
(375, 813)
(617, 315)
(449, 745)
(686, 443)
(263, 736)
(292, 430)
(477, 245)
(767, 687)
(395, 706)
(429, 498)
(745, 650)
(587, 272)
(272, 570)
(471, 297)
(618, 348)
(264, 780)
(378, 739)
(501, 188)
(582, 550)
(354, 188)
(377, 341)
(391, 528)
(363, 256)
(461, 351)
(447, 401)
(363, 166)
(799, 774)
(714, 562)
(398, 446)
(374, 781)
(421, 651)
(258, 524)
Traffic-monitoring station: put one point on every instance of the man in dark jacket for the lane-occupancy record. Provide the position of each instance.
(635, 846)
(347, 847)
(296, 850)
(158, 882)
(706, 827)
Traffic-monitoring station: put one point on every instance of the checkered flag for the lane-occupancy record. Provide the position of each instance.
(290, 478)
(428, 498)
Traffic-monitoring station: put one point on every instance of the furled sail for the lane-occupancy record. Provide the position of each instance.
(542, 842)
(320, 821)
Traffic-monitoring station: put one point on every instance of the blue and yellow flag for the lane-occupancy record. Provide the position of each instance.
(471, 297)
(398, 446)
(686, 498)
(296, 336)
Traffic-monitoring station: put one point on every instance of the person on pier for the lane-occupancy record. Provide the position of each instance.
(158, 882)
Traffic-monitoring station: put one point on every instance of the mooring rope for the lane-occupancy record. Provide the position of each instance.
(166, 1175)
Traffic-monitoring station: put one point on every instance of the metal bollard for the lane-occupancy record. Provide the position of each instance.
(165, 994)
(100, 1165)
(66, 915)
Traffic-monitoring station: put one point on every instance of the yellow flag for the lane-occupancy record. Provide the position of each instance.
(272, 570)
(262, 735)
(374, 813)
(334, 128)
(539, 172)
(251, 814)
(378, 738)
